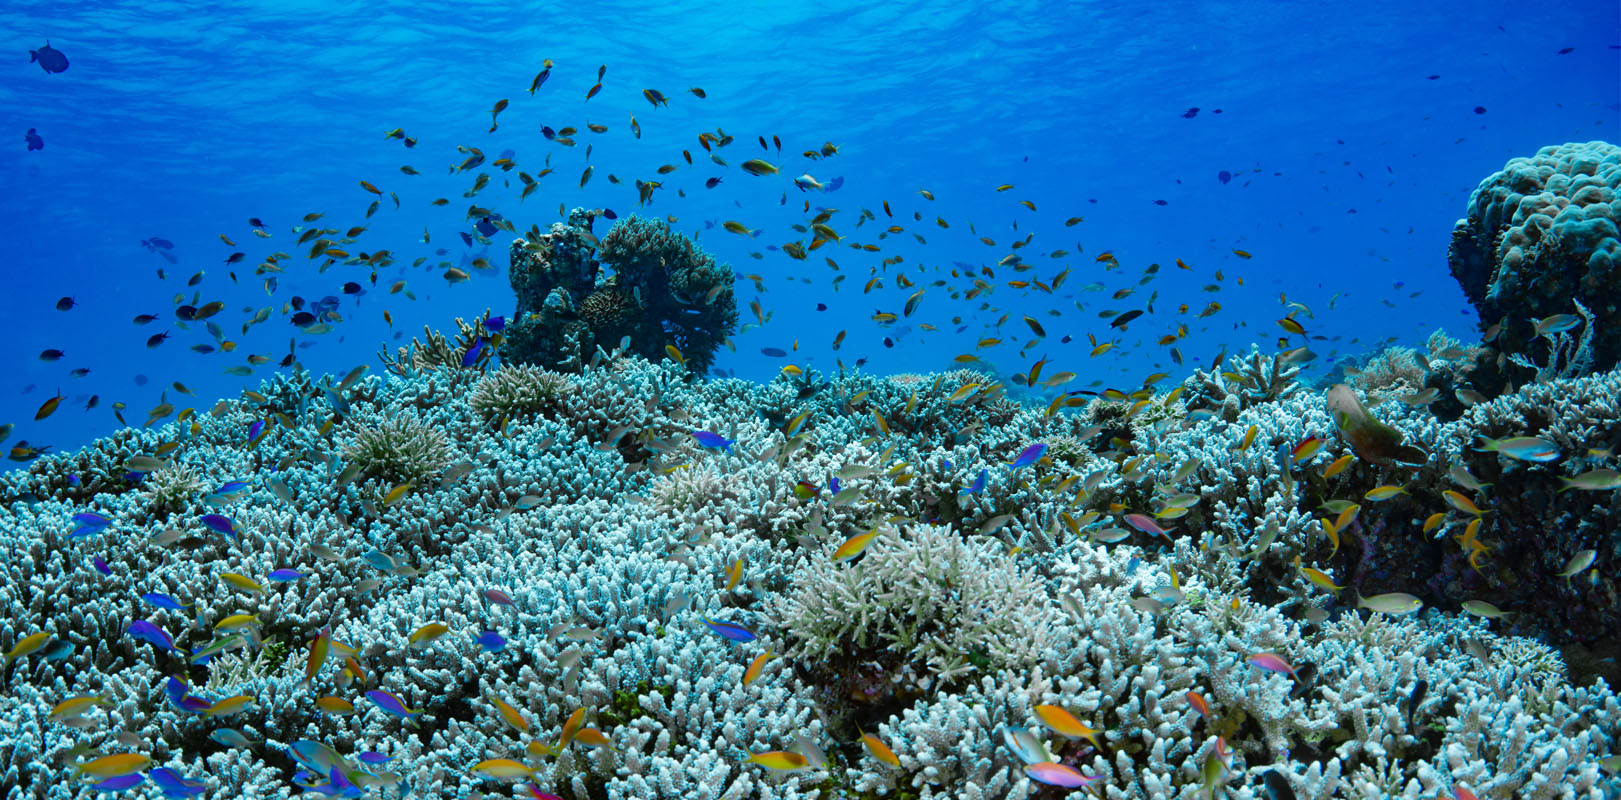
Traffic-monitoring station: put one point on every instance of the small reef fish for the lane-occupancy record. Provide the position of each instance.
(1058, 775)
(779, 760)
(736, 633)
(49, 58)
(1393, 603)
(714, 441)
(1029, 456)
(394, 706)
(1522, 448)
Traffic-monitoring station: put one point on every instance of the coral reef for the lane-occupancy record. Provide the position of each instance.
(679, 607)
(642, 281)
(1540, 233)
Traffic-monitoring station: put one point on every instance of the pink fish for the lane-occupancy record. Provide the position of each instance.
(1057, 775)
(1271, 662)
(1147, 525)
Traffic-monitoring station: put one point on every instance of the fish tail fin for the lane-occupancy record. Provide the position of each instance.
(33, 55)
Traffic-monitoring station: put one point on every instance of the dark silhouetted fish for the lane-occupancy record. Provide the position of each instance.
(34, 141)
(50, 59)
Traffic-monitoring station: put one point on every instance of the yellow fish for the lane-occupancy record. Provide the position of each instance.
(780, 760)
(242, 582)
(504, 768)
(425, 635)
(29, 644)
(1065, 723)
(879, 750)
(1339, 465)
(854, 546)
(756, 666)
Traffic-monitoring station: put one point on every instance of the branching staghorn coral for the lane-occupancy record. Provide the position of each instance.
(521, 390)
(400, 449)
(440, 351)
(1240, 382)
(944, 606)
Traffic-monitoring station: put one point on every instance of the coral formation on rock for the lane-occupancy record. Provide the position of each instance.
(1539, 234)
(642, 280)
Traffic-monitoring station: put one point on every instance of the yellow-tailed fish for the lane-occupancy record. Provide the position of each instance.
(425, 635)
(1461, 502)
(29, 644)
(502, 768)
(756, 666)
(1333, 532)
(1394, 603)
(571, 727)
(780, 760)
(879, 750)
(1066, 724)
(591, 737)
(1582, 560)
(854, 546)
(1434, 521)
(114, 766)
(242, 582)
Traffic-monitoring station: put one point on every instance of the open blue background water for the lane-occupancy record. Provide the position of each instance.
(1350, 164)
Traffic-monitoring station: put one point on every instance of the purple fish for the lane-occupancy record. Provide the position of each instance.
(164, 601)
(90, 523)
(714, 441)
(176, 690)
(472, 354)
(393, 705)
(229, 488)
(220, 524)
(286, 575)
(147, 632)
(122, 783)
(1031, 455)
(978, 485)
(491, 641)
(338, 783)
(834, 486)
(89, 519)
(255, 429)
(736, 633)
(374, 757)
(496, 324)
(173, 786)
(101, 566)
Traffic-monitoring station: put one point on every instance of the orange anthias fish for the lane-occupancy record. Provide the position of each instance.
(1065, 723)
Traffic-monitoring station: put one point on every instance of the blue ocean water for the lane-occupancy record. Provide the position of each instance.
(1353, 137)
